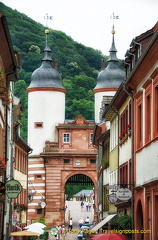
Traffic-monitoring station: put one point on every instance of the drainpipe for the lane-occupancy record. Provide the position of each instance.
(132, 153)
(127, 74)
(102, 184)
(9, 171)
(140, 45)
(133, 56)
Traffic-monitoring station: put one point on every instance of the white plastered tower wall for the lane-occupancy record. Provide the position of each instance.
(46, 103)
(48, 109)
(98, 98)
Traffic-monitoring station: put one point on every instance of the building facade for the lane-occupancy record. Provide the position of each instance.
(142, 82)
(133, 135)
(108, 82)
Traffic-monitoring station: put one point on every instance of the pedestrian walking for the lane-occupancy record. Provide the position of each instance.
(63, 232)
(59, 232)
(70, 224)
(87, 206)
(82, 205)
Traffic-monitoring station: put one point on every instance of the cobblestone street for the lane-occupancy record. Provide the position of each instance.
(74, 210)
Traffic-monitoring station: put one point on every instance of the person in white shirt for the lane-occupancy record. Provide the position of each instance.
(81, 222)
(87, 220)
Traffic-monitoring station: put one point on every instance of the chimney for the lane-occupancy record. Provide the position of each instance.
(102, 64)
(56, 64)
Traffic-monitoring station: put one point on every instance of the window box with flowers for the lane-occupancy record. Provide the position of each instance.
(2, 164)
(129, 129)
(124, 134)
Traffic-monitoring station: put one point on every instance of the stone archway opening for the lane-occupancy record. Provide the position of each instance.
(139, 220)
(79, 198)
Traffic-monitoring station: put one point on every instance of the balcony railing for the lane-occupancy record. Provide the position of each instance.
(51, 146)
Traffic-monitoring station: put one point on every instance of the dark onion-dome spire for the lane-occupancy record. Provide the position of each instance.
(46, 76)
(113, 49)
(112, 75)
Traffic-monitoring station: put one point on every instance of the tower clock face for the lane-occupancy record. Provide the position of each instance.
(78, 162)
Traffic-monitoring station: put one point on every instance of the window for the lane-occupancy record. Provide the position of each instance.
(92, 161)
(125, 123)
(156, 111)
(154, 76)
(138, 120)
(38, 176)
(66, 161)
(148, 100)
(91, 137)
(38, 124)
(39, 211)
(66, 137)
(124, 173)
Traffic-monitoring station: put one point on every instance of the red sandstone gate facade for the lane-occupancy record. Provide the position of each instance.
(48, 173)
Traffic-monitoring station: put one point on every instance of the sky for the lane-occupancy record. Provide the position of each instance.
(90, 21)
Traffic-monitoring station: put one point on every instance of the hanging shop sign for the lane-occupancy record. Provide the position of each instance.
(53, 231)
(124, 194)
(113, 198)
(112, 187)
(2, 188)
(13, 188)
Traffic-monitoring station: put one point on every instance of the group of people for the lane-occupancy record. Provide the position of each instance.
(61, 232)
(81, 221)
(88, 206)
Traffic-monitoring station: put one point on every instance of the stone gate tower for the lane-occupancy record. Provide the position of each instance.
(61, 149)
(46, 103)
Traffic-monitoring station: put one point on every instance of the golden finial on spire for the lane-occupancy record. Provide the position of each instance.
(113, 17)
(47, 31)
(113, 31)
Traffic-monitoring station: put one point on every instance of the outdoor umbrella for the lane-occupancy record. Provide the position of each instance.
(36, 227)
(108, 236)
(24, 233)
(37, 224)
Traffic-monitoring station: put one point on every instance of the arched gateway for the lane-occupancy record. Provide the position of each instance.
(73, 155)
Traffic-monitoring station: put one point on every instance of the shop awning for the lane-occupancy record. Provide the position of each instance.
(100, 224)
(24, 233)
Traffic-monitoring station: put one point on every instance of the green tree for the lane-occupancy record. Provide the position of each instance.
(20, 92)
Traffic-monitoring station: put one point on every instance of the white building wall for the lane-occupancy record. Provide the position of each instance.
(106, 176)
(114, 133)
(147, 164)
(47, 107)
(98, 100)
(125, 152)
(113, 177)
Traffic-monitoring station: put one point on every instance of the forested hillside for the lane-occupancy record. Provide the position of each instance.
(78, 64)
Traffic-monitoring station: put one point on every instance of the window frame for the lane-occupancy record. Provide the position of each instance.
(66, 137)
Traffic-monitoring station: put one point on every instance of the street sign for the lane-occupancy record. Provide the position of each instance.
(53, 231)
(113, 198)
(43, 204)
(14, 218)
(13, 188)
